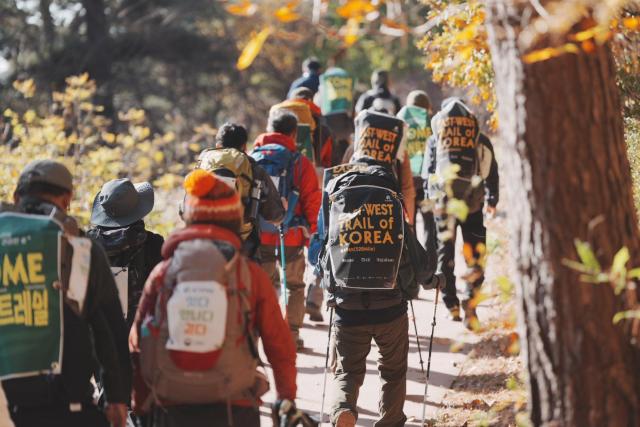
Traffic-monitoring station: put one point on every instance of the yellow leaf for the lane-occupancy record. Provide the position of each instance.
(351, 31)
(244, 8)
(26, 87)
(194, 147)
(252, 48)
(29, 116)
(158, 156)
(631, 23)
(108, 137)
(286, 14)
(355, 9)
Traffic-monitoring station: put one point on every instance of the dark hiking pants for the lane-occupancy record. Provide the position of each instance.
(216, 415)
(58, 416)
(474, 235)
(351, 345)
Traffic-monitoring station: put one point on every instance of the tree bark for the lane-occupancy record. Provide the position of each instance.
(48, 28)
(568, 178)
(99, 56)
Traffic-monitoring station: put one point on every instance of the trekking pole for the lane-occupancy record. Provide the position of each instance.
(415, 328)
(433, 328)
(283, 267)
(326, 364)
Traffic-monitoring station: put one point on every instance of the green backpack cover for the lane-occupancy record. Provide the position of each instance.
(419, 130)
(31, 332)
(336, 91)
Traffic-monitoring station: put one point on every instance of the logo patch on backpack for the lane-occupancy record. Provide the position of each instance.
(197, 316)
(378, 136)
(457, 133)
(366, 237)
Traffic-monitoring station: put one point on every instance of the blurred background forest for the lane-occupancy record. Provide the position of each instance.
(176, 59)
(156, 77)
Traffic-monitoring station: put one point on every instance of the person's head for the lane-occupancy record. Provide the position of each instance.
(232, 135)
(380, 78)
(311, 65)
(419, 98)
(210, 200)
(284, 122)
(302, 93)
(46, 180)
(120, 203)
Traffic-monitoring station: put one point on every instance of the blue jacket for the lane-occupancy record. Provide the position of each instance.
(308, 80)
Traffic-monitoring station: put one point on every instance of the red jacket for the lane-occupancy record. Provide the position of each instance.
(266, 315)
(306, 181)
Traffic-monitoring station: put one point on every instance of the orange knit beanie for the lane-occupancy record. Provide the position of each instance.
(210, 200)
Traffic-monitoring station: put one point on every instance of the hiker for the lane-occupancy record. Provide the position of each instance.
(322, 140)
(372, 265)
(474, 157)
(336, 103)
(416, 114)
(379, 96)
(298, 184)
(311, 69)
(201, 312)
(51, 386)
(402, 164)
(259, 196)
(118, 225)
(306, 142)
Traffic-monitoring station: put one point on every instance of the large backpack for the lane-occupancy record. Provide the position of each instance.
(229, 161)
(457, 165)
(306, 125)
(43, 266)
(418, 131)
(377, 137)
(198, 347)
(336, 92)
(366, 231)
(280, 163)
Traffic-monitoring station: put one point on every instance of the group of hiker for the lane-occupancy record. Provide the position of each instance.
(118, 326)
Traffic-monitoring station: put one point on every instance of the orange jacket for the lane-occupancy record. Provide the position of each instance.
(266, 316)
(306, 181)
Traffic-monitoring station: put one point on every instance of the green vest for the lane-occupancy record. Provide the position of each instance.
(336, 92)
(30, 296)
(419, 130)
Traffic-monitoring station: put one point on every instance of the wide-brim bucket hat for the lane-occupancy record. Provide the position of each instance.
(120, 203)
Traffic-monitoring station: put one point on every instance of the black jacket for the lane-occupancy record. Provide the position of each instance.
(93, 342)
(366, 99)
(490, 191)
(138, 258)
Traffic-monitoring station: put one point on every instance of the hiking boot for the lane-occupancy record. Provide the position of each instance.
(297, 340)
(315, 315)
(454, 313)
(345, 419)
(471, 321)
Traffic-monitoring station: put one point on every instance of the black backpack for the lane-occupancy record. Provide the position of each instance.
(368, 242)
(457, 164)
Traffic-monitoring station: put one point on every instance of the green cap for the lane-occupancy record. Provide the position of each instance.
(48, 172)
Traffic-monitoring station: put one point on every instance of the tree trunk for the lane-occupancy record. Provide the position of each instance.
(48, 28)
(568, 178)
(99, 56)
